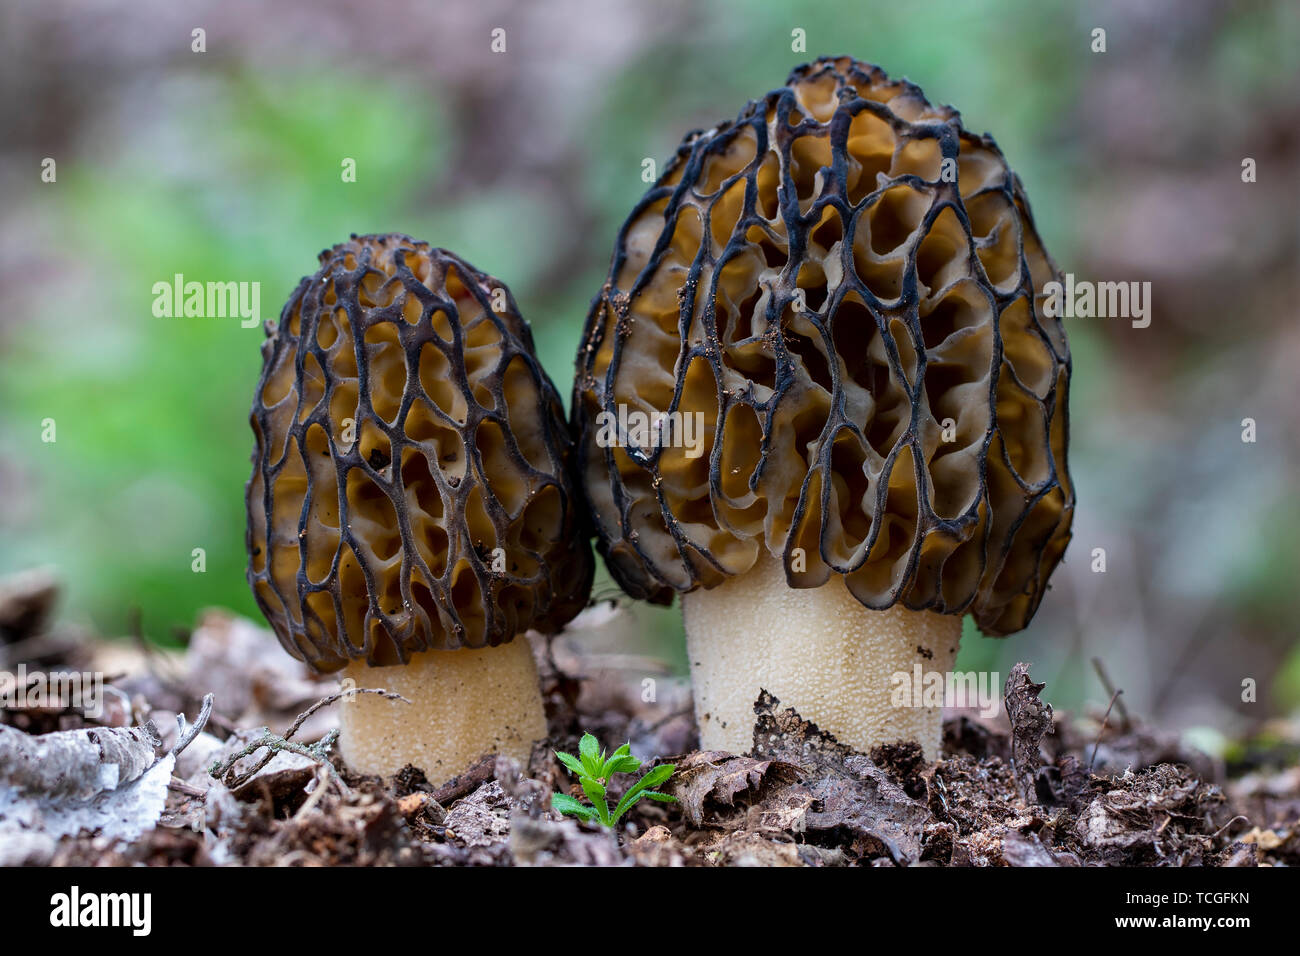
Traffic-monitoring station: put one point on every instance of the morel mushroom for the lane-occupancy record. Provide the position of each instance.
(843, 288)
(409, 511)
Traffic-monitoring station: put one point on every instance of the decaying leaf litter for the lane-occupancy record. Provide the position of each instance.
(250, 775)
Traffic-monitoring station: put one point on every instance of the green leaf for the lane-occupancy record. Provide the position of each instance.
(655, 776)
(609, 765)
(661, 797)
(594, 789)
(572, 762)
(628, 802)
(566, 804)
(596, 794)
(625, 764)
(587, 749)
(658, 775)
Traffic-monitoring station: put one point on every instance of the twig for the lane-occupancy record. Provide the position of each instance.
(326, 701)
(180, 786)
(1241, 817)
(1125, 724)
(1097, 746)
(463, 784)
(185, 737)
(322, 783)
(274, 743)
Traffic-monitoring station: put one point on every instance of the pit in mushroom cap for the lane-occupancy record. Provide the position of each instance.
(825, 426)
(410, 496)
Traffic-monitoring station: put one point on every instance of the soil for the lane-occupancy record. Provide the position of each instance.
(1039, 789)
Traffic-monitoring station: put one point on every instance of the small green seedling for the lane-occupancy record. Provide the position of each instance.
(594, 770)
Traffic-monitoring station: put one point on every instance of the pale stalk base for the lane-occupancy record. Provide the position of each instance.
(464, 703)
(815, 649)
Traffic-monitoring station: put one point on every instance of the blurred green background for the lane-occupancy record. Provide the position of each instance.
(225, 165)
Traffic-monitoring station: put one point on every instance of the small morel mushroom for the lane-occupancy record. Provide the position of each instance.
(409, 511)
(829, 312)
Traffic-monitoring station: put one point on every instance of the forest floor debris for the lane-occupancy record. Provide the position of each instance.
(1044, 791)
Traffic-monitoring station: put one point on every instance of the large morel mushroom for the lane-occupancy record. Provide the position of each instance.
(409, 510)
(844, 288)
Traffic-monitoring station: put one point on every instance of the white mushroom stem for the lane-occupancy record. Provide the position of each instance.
(817, 650)
(464, 703)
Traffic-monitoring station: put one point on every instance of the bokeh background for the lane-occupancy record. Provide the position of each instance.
(225, 165)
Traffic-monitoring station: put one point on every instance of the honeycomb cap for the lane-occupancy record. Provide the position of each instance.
(844, 288)
(410, 485)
